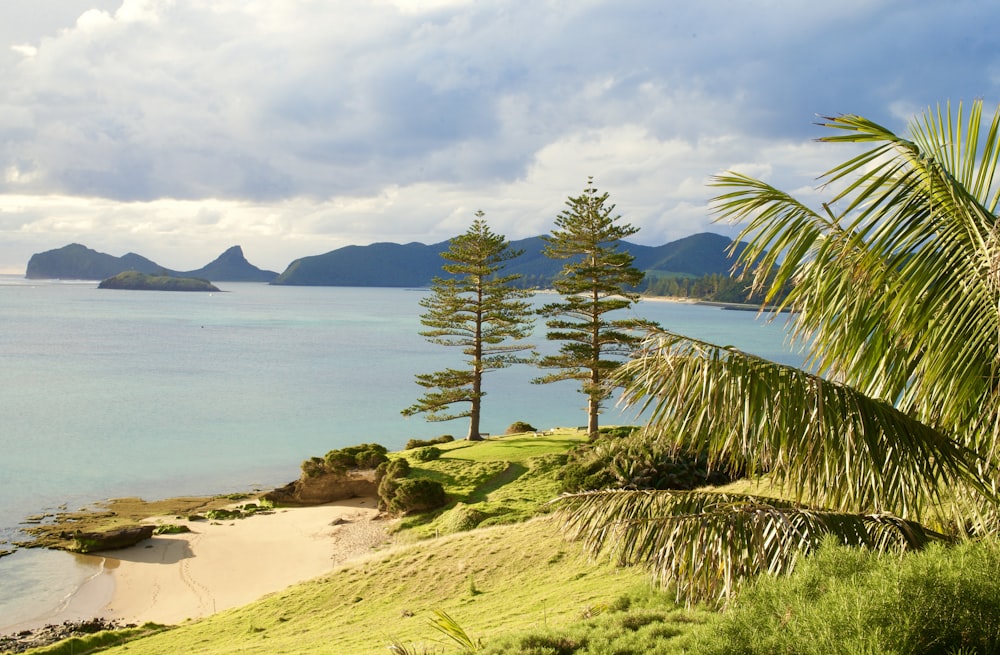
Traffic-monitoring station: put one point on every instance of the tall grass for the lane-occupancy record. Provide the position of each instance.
(942, 601)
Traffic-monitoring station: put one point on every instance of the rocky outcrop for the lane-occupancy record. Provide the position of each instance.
(232, 266)
(53, 633)
(92, 542)
(325, 488)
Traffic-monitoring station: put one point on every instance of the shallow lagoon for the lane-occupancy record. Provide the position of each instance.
(154, 394)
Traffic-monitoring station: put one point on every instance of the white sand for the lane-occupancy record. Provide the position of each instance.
(216, 566)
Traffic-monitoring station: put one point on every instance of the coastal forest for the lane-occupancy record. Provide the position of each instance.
(850, 507)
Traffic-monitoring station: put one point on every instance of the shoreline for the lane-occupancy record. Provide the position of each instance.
(172, 578)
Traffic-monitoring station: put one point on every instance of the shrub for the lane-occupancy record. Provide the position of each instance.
(618, 431)
(420, 443)
(427, 454)
(520, 426)
(387, 477)
(313, 467)
(362, 456)
(615, 461)
(417, 495)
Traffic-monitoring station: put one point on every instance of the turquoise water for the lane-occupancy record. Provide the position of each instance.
(119, 393)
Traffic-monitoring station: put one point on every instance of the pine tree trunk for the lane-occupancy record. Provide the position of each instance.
(474, 423)
(593, 408)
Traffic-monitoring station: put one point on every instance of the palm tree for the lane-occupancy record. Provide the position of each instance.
(892, 440)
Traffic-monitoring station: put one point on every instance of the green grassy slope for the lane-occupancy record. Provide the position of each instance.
(491, 580)
(504, 579)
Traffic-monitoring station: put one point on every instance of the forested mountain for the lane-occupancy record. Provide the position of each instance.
(415, 264)
(671, 269)
(78, 262)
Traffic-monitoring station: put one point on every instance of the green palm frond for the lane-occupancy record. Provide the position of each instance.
(705, 544)
(898, 282)
(449, 627)
(820, 441)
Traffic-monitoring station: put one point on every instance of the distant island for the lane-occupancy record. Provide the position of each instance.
(78, 262)
(697, 266)
(135, 281)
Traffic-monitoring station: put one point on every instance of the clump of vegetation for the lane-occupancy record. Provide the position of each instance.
(342, 460)
(399, 494)
(421, 443)
(518, 427)
(462, 518)
(171, 528)
(417, 495)
(239, 512)
(849, 600)
(427, 454)
(614, 461)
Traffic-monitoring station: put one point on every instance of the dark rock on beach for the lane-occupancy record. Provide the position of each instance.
(91, 542)
(50, 634)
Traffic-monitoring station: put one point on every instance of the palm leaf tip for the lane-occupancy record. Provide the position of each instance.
(705, 544)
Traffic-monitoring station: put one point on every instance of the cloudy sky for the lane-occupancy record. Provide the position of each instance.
(177, 128)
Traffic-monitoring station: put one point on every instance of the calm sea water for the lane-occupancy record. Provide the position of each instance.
(116, 393)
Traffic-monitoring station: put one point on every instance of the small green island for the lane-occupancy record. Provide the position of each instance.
(137, 281)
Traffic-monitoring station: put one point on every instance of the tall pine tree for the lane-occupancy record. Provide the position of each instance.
(478, 310)
(598, 278)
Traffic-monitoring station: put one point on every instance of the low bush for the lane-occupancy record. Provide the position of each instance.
(614, 461)
(352, 458)
(362, 456)
(387, 477)
(417, 495)
(940, 601)
(518, 427)
(427, 454)
(420, 443)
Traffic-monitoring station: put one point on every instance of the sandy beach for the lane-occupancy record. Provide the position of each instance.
(219, 565)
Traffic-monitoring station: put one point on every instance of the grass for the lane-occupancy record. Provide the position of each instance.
(507, 479)
(521, 588)
(99, 641)
(940, 601)
(525, 578)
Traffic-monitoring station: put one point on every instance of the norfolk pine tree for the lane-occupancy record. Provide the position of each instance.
(479, 311)
(596, 279)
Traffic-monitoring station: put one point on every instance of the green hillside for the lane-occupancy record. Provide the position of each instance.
(520, 588)
(509, 579)
(416, 264)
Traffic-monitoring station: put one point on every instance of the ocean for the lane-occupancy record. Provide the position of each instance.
(108, 394)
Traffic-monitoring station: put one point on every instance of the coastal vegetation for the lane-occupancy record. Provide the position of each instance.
(478, 309)
(457, 560)
(891, 443)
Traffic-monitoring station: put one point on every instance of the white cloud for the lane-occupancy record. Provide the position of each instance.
(185, 126)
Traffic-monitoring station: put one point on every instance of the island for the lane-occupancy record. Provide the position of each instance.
(136, 281)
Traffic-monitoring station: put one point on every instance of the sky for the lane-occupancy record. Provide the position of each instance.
(179, 128)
